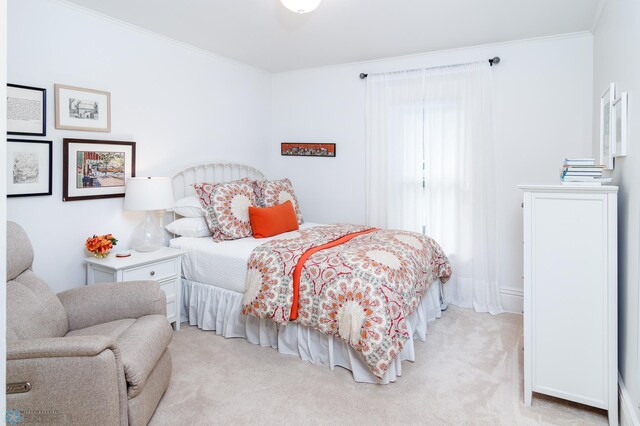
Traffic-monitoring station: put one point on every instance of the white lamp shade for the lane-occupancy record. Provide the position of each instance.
(148, 193)
(301, 6)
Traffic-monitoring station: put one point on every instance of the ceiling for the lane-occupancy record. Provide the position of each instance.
(264, 34)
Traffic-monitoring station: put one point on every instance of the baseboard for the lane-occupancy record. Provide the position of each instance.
(512, 299)
(628, 413)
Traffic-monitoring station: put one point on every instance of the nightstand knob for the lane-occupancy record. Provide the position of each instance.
(152, 273)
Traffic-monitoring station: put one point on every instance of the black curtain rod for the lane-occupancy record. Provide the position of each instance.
(492, 61)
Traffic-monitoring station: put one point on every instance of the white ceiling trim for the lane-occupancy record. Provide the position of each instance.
(153, 34)
(496, 45)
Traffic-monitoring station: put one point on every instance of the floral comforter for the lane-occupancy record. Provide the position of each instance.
(352, 281)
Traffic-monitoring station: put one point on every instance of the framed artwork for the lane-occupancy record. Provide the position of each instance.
(93, 169)
(607, 145)
(82, 109)
(297, 149)
(26, 110)
(29, 167)
(619, 126)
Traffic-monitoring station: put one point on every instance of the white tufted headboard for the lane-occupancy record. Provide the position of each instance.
(212, 173)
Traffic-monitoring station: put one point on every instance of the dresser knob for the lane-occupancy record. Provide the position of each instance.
(152, 273)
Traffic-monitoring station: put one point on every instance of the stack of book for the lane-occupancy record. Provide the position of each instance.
(582, 171)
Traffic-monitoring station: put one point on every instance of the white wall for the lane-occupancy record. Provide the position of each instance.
(617, 59)
(182, 106)
(542, 94)
(3, 199)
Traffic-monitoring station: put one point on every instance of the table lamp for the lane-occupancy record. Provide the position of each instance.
(152, 195)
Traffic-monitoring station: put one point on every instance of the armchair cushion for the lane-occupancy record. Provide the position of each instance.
(141, 346)
(140, 342)
(112, 329)
(33, 310)
(19, 251)
(101, 303)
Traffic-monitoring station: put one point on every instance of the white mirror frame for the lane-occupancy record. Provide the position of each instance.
(619, 114)
(607, 149)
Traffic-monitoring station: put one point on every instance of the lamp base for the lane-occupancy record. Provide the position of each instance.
(149, 235)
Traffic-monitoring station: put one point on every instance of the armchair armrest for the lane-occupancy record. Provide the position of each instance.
(72, 380)
(59, 347)
(100, 303)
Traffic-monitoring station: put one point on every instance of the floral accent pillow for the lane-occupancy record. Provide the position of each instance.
(274, 192)
(227, 207)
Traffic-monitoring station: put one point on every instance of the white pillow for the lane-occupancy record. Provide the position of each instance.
(189, 227)
(189, 207)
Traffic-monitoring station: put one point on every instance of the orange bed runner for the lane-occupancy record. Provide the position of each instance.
(307, 254)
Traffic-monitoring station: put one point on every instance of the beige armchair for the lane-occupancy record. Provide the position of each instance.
(94, 355)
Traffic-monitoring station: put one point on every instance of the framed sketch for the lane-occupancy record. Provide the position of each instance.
(82, 109)
(29, 167)
(93, 169)
(297, 149)
(607, 145)
(26, 110)
(619, 125)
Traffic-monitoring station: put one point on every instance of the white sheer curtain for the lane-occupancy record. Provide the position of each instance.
(430, 168)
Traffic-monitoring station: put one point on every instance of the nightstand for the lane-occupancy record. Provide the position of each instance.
(163, 265)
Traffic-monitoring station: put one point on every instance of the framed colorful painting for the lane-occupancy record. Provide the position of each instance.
(298, 149)
(95, 169)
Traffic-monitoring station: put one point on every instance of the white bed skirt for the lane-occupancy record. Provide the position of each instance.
(219, 310)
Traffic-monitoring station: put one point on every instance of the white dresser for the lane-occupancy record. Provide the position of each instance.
(570, 294)
(163, 265)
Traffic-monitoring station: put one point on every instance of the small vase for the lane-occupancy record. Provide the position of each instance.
(102, 255)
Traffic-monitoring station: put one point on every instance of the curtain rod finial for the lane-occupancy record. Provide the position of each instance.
(494, 60)
(363, 76)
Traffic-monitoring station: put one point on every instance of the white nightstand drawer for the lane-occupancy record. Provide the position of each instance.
(169, 288)
(154, 271)
(171, 310)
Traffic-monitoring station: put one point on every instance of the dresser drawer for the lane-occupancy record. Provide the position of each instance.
(153, 271)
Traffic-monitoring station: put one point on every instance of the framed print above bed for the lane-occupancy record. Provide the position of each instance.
(93, 169)
(82, 109)
(298, 149)
(29, 167)
(26, 110)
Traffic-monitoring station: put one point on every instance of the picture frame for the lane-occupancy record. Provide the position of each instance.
(94, 169)
(607, 145)
(29, 167)
(82, 109)
(300, 149)
(26, 110)
(619, 127)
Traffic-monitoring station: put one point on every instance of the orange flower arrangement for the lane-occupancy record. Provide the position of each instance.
(100, 245)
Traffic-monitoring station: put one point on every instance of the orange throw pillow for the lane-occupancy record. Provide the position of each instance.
(270, 221)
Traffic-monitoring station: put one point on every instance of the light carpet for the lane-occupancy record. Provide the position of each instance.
(468, 372)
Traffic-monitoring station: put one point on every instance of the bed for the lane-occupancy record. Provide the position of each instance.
(214, 281)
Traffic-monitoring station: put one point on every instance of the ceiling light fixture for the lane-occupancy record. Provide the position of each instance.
(301, 6)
